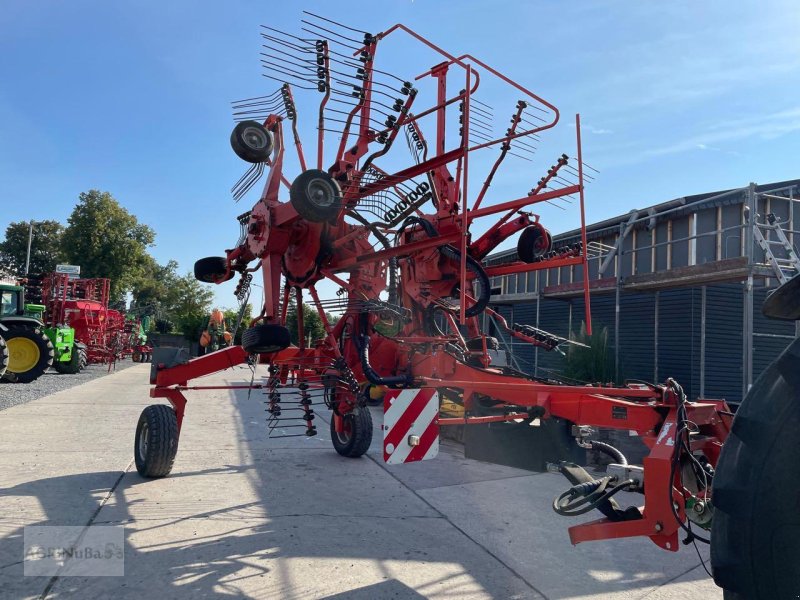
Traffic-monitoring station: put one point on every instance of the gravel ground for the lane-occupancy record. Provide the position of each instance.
(51, 382)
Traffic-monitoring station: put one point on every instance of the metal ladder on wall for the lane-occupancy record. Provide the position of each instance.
(785, 267)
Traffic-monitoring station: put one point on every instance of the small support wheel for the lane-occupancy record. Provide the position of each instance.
(156, 442)
(252, 142)
(316, 196)
(534, 242)
(137, 357)
(356, 437)
(212, 269)
(265, 338)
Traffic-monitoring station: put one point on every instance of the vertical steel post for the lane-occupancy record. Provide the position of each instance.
(655, 340)
(702, 342)
(536, 348)
(587, 305)
(747, 320)
(28, 253)
(618, 270)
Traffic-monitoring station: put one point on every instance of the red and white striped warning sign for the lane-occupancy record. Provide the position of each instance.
(410, 425)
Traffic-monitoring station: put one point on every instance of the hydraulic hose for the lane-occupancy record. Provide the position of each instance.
(453, 254)
(609, 450)
(372, 375)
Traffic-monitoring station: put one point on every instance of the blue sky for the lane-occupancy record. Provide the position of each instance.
(133, 97)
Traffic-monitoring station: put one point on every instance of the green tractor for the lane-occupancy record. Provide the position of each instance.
(29, 348)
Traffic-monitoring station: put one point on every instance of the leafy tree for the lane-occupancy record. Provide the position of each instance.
(312, 324)
(231, 316)
(45, 246)
(106, 240)
(189, 305)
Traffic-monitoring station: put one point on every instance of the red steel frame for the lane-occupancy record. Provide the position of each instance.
(282, 244)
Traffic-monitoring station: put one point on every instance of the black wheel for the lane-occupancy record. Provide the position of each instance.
(30, 353)
(137, 356)
(265, 337)
(84, 358)
(354, 441)
(316, 196)
(534, 242)
(3, 356)
(251, 142)
(212, 269)
(156, 442)
(755, 535)
(72, 366)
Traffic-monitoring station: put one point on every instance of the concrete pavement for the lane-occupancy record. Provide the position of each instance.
(245, 516)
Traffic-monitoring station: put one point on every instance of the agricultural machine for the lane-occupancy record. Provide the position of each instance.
(389, 210)
(216, 334)
(136, 333)
(82, 304)
(27, 347)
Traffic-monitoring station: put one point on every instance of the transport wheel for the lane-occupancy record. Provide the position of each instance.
(252, 142)
(265, 337)
(72, 366)
(137, 357)
(3, 356)
(755, 535)
(156, 442)
(533, 243)
(212, 269)
(356, 438)
(84, 358)
(30, 353)
(316, 196)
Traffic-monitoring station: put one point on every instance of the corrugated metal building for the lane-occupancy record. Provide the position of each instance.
(679, 287)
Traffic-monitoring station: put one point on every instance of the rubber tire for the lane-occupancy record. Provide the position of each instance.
(755, 535)
(162, 443)
(533, 243)
(137, 357)
(305, 206)
(46, 352)
(212, 269)
(360, 438)
(3, 356)
(265, 338)
(245, 149)
(84, 358)
(72, 367)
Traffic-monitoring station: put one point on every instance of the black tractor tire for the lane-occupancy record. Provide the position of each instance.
(156, 441)
(356, 440)
(755, 535)
(533, 243)
(265, 338)
(84, 358)
(316, 196)
(71, 367)
(137, 356)
(252, 142)
(212, 269)
(28, 335)
(3, 356)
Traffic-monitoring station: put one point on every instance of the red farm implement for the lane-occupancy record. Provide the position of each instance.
(385, 209)
(83, 305)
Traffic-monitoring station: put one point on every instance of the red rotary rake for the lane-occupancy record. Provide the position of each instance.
(390, 225)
